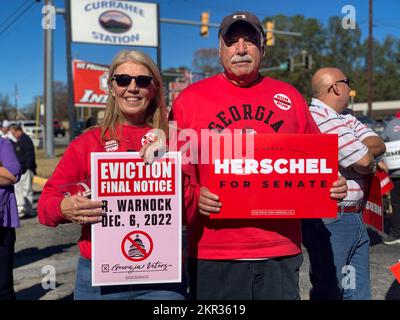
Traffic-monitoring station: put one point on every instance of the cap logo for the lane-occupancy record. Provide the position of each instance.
(239, 16)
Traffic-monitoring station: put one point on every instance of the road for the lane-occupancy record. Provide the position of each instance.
(60, 141)
(39, 246)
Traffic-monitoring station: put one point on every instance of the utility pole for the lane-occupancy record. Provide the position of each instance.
(48, 85)
(370, 62)
(68, 38)
(158, 38)
(16, 101)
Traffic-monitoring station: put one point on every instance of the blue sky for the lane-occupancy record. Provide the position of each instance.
(22, 57)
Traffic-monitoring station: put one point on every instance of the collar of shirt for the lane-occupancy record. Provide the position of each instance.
(319, 104)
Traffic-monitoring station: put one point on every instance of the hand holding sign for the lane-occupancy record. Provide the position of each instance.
(208, 202)
(153, 150)
(81, 210)
(339, 188)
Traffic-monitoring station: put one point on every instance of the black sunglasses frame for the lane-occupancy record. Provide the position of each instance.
(141, 81)
(346, 81)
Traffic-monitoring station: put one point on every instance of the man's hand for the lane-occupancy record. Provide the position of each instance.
(382, 166)
(339, 189)
(81, 210)
(208, 202)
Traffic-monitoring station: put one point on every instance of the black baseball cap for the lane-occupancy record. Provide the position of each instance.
(244, 16)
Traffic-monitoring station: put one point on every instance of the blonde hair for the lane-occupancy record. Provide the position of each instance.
(157, 109)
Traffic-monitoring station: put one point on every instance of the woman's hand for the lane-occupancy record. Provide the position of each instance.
(82, 210)
(153, 150)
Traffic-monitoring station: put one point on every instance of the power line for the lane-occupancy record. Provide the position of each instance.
(15, 12)
(16, 18)
(387, 25)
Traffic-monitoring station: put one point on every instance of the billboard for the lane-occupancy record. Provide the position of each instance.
(90, 84)
(114, 22)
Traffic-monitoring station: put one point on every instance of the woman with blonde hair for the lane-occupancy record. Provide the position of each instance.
(135, 106)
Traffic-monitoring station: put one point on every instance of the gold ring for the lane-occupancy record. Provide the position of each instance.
(82, 220)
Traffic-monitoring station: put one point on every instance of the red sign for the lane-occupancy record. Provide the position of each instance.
(90, 84)
(396, 271)
(127, 177)
(289, 176)
(386, 183)
(175, 88)
(373, 210)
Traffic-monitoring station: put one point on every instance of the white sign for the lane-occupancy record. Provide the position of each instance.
(140, 239)
(392, 155)
(114, 22)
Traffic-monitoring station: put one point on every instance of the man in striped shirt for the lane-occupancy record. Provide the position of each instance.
(339, 248)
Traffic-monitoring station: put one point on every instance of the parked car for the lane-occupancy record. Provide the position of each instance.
(58, 128)
(371, 123)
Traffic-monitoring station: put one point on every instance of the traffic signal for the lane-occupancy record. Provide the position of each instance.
(205, 19)
(290, 64)
(270, 26)
(308, 64)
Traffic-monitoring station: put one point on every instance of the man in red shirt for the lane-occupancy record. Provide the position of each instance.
(241, 259)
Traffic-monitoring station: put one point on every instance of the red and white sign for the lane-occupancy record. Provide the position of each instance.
(392, 155)
(140, 239)
(125, 177)
(386, 183)
(175, 88)
(289, 177)
(373, 210)
(90, 84)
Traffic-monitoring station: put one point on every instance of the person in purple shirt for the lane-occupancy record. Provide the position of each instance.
(10, 172)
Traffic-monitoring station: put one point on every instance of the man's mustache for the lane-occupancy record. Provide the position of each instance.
(245, 58)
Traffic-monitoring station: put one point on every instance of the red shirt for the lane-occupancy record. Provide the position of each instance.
(270, 106)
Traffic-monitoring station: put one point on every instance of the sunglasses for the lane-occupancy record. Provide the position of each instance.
(346, 81)
(124, 80)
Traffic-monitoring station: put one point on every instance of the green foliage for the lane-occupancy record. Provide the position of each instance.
(207, 61)
(5, 107)
(333, 46)
(330, 46)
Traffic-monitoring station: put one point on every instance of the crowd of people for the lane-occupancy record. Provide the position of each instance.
(237, 259)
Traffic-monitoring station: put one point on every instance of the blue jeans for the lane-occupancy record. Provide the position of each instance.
(339, 257)
(163, 291)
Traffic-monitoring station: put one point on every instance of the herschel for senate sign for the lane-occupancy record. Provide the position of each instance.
(114, 22)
